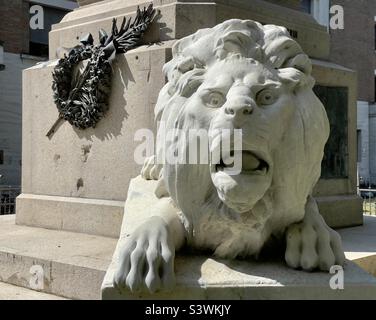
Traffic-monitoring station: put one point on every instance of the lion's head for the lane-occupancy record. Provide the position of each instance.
(242, 75)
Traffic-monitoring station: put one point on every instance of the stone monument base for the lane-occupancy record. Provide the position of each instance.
(75, 264)
(203, 277)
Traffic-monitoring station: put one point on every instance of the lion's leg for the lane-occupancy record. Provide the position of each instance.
(311, 243)
(146, 258)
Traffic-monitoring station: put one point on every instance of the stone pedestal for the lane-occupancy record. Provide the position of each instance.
(336, 194)
(179, 18)
(77, 180)
(203, 277)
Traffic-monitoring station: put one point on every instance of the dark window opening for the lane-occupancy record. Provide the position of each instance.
(335, 161)
(1, 156)
(39, 37)
(38, 49)
(359, 142)
(305, 5)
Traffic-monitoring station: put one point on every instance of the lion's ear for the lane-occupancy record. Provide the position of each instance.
(295, 78)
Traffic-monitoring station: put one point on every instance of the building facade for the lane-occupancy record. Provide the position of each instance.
(354, 47)
(21, 47)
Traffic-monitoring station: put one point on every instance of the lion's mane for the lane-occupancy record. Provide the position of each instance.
(297, 161)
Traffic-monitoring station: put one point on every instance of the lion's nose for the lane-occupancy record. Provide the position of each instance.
(239, 110)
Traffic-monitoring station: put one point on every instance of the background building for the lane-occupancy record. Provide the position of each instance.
(21, 47)
(354, 47)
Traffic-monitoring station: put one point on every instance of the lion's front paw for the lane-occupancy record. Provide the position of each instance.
(313, 245)
(147, 259)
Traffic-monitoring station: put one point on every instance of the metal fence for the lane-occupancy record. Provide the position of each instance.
(369, 200)
(8, 195)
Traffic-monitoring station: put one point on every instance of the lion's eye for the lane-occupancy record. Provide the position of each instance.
(266, 97)
(215, 100)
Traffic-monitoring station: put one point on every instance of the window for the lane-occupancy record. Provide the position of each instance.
(305, 5)
(320, 11)
(359, 141)
(1, 156)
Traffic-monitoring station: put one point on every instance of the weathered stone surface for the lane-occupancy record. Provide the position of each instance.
(91, 216)
(70, 165)
(16, 241)
(74, 264)
(207, 278)
(200, 277)
(183, 17)
(10, 292)
(342, 210)
(360, 244)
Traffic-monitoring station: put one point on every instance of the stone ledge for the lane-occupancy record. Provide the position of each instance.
(181, 18)
(10, 292)
(332, 206)
(200, 277)
(359, 244)
(207, 278)
(91, 216)
(74, 264)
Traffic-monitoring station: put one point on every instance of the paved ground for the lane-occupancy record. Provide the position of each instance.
(9, 292)
(359, 244)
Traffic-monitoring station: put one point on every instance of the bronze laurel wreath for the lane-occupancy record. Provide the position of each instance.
(83, 100)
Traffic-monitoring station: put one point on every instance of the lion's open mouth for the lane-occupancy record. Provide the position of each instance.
(250, 164)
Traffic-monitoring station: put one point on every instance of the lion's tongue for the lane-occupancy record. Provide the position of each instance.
(249, 162)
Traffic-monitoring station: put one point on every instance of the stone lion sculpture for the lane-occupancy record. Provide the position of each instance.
(256, 78)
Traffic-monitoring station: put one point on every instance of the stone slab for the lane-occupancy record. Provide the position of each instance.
(10, 292)
(207, 278)
(359, 244)
(76, 263)
(73, 264)
(179, 18)
(341, 211)
(91, 216)
(203, 277)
